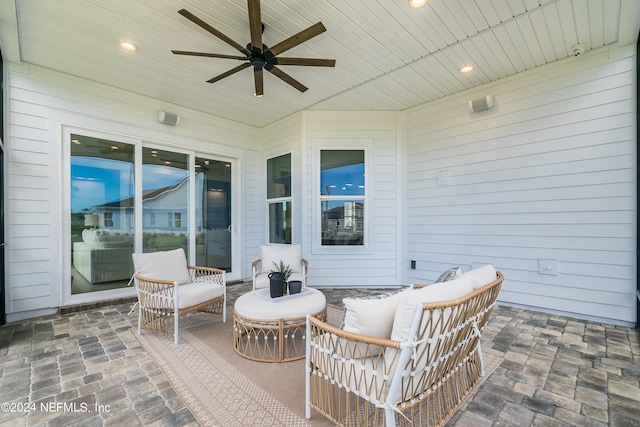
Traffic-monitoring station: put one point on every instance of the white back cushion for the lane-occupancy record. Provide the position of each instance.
(290, 255)
(481, 276)
(438, 292)
(165, 265)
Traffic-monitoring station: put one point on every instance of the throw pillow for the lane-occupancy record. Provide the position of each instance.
(450, 274)
(444, 291)
(372, 315)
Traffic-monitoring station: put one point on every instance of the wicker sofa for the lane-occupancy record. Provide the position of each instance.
(420, 373)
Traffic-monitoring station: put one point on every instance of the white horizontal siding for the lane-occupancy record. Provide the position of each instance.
(280, 138)
(378, 264)
(27, 207)
(36, 99)
(549, 172)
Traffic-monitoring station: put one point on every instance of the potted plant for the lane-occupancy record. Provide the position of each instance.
(285, 271)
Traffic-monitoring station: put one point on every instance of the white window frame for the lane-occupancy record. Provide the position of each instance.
(274, 200)
(318, 145)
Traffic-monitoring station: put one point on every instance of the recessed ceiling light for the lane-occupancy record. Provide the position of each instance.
(466, 69)
(127, 45)
(417, 3)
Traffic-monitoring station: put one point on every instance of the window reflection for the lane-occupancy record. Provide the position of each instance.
(279, 198)
(342, 189)
(165, 185)
(213, 213)
(102, 226)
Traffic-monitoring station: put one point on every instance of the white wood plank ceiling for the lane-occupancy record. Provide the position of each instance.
(389, 56)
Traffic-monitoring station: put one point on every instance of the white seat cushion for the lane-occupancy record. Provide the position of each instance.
(166, 265)
(191, 294)
(258, 304)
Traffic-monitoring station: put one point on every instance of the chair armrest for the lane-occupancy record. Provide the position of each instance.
(256, 266)
(207, 274)
(155, 293)
(305, 267)
(363, 364)
(325, 328)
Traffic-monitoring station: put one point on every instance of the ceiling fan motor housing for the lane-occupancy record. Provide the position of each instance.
(261, 58)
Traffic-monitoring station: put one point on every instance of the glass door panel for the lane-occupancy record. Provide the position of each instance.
(213, 213)
(165, 200)
(102, 209)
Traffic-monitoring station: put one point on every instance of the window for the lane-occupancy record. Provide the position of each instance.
(108, 219)
(342, 197)
(279, 198)
(177, 219)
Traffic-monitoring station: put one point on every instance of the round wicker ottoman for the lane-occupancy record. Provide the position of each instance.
(269, 329)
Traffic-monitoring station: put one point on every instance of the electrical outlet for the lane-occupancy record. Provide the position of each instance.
(443, 177)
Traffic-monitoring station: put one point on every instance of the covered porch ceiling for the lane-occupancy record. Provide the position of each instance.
(389, 57)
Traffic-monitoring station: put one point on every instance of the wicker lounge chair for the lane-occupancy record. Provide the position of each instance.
(359, 380)
(167, 289)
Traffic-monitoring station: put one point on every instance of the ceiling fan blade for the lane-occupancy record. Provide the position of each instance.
(191, 17)
(208, 55)
(255, 23)
(288, 79)
(309, 62)
(259, 81)
(228, 73)
(296, 39)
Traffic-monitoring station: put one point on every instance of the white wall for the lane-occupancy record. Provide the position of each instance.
(548, 173)
(378, 264)
(38, 103)
(275, 140)
(303, 135)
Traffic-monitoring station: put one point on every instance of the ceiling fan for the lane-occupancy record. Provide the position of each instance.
(257, 55)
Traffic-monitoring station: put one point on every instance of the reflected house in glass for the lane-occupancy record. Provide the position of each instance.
(343, 224)
(104, 255)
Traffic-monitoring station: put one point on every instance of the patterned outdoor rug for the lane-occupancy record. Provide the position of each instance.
(222, 388)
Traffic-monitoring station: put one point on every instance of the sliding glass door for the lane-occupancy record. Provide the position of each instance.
(102, 209)
(165, 200)
(213, 213)
(176, 199)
